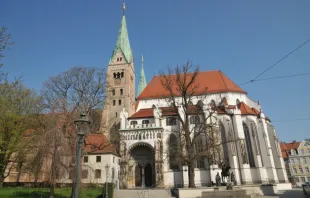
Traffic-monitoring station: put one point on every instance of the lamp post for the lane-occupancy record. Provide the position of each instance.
(106, 181)
(82, 126)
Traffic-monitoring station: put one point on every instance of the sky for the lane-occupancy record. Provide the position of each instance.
(240, 38)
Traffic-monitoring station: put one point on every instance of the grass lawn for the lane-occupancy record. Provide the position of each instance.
(7, 192)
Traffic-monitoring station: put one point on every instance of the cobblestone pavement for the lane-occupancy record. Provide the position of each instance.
(295, 193)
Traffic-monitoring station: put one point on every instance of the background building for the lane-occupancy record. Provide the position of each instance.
(297, 161)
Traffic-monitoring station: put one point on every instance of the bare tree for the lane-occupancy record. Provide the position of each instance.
(199, 135)
(77, 90)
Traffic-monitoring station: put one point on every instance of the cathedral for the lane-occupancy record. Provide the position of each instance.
(145, 126)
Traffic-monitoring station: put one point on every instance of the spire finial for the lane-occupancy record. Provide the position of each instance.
(124, 8)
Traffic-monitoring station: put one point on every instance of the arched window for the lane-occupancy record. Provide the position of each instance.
(173, 152)
(116, 114)
(122, 74)
(133, 122)
(224, 143)
(84, 174)
(145, 121)
(114, 74)
(121, 91)
(97, 173)
(114, 102)
(248, 144)
(119, 102)
(237, 101)
(118, 75)
(121, 58)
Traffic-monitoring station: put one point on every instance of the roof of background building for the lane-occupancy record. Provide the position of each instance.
(96, 143)
(206, 82)
(287, 147)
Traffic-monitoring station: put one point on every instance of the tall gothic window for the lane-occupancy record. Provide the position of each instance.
(237, 101)
(173, 149)
(224, 143)
(248, 144)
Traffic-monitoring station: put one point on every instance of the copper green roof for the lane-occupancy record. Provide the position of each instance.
(142, 80)
(122, 43)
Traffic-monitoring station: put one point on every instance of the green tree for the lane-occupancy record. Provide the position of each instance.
(5, 44)
(16, 104)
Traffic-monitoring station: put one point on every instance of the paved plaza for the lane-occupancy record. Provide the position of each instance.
(295, 193)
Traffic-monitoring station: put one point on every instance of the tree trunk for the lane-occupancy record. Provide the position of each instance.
(191, 176)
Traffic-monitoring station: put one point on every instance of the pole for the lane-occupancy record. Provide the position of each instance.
(106, 185)
(77, 167)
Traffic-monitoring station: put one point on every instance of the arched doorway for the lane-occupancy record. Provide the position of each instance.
(143, 156)
(148, 175)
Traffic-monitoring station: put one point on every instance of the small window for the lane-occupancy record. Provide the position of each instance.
(97, 173)
(118, 75)
(98, 158)
(119, 102)
(303, 179)
(85, 159)
(171, 121)
(113, 92)
(84, 174)
(195, 119)
(133, 122)
(121, 91)
(301, 170)
(116, 114)
(302, 151)
(212, 104)
(113, 159)
(145, 122)
(71, 174)
(121, 58)
(117, 59)
(113, 173)
(295, 170)
(122, 75)
(307, 170)
(114, 102)
(114, 74)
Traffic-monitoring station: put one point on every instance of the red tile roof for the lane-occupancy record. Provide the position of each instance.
(143, 113)
(287, 147)
(96, 143)
(246, 110)
(206, 82)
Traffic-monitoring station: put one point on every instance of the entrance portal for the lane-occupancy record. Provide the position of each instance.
(143, 155)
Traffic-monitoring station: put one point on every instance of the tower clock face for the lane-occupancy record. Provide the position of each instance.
(117, 81)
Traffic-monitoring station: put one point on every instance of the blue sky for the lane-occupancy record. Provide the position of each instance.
(241, 38)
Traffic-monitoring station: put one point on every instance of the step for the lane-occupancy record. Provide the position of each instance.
(143, 193)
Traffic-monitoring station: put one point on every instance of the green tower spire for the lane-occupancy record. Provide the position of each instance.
(122, 43)
(142, 80)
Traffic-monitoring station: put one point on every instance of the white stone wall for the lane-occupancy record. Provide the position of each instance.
(92, 165)
(269, 167)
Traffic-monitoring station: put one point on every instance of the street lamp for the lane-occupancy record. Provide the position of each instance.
(106, 181)
(82, 127)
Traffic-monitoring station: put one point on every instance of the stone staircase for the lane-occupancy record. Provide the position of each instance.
(143, 193)
(240, 193)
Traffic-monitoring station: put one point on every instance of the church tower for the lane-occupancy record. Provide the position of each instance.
(120, 90)
(142, 80)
